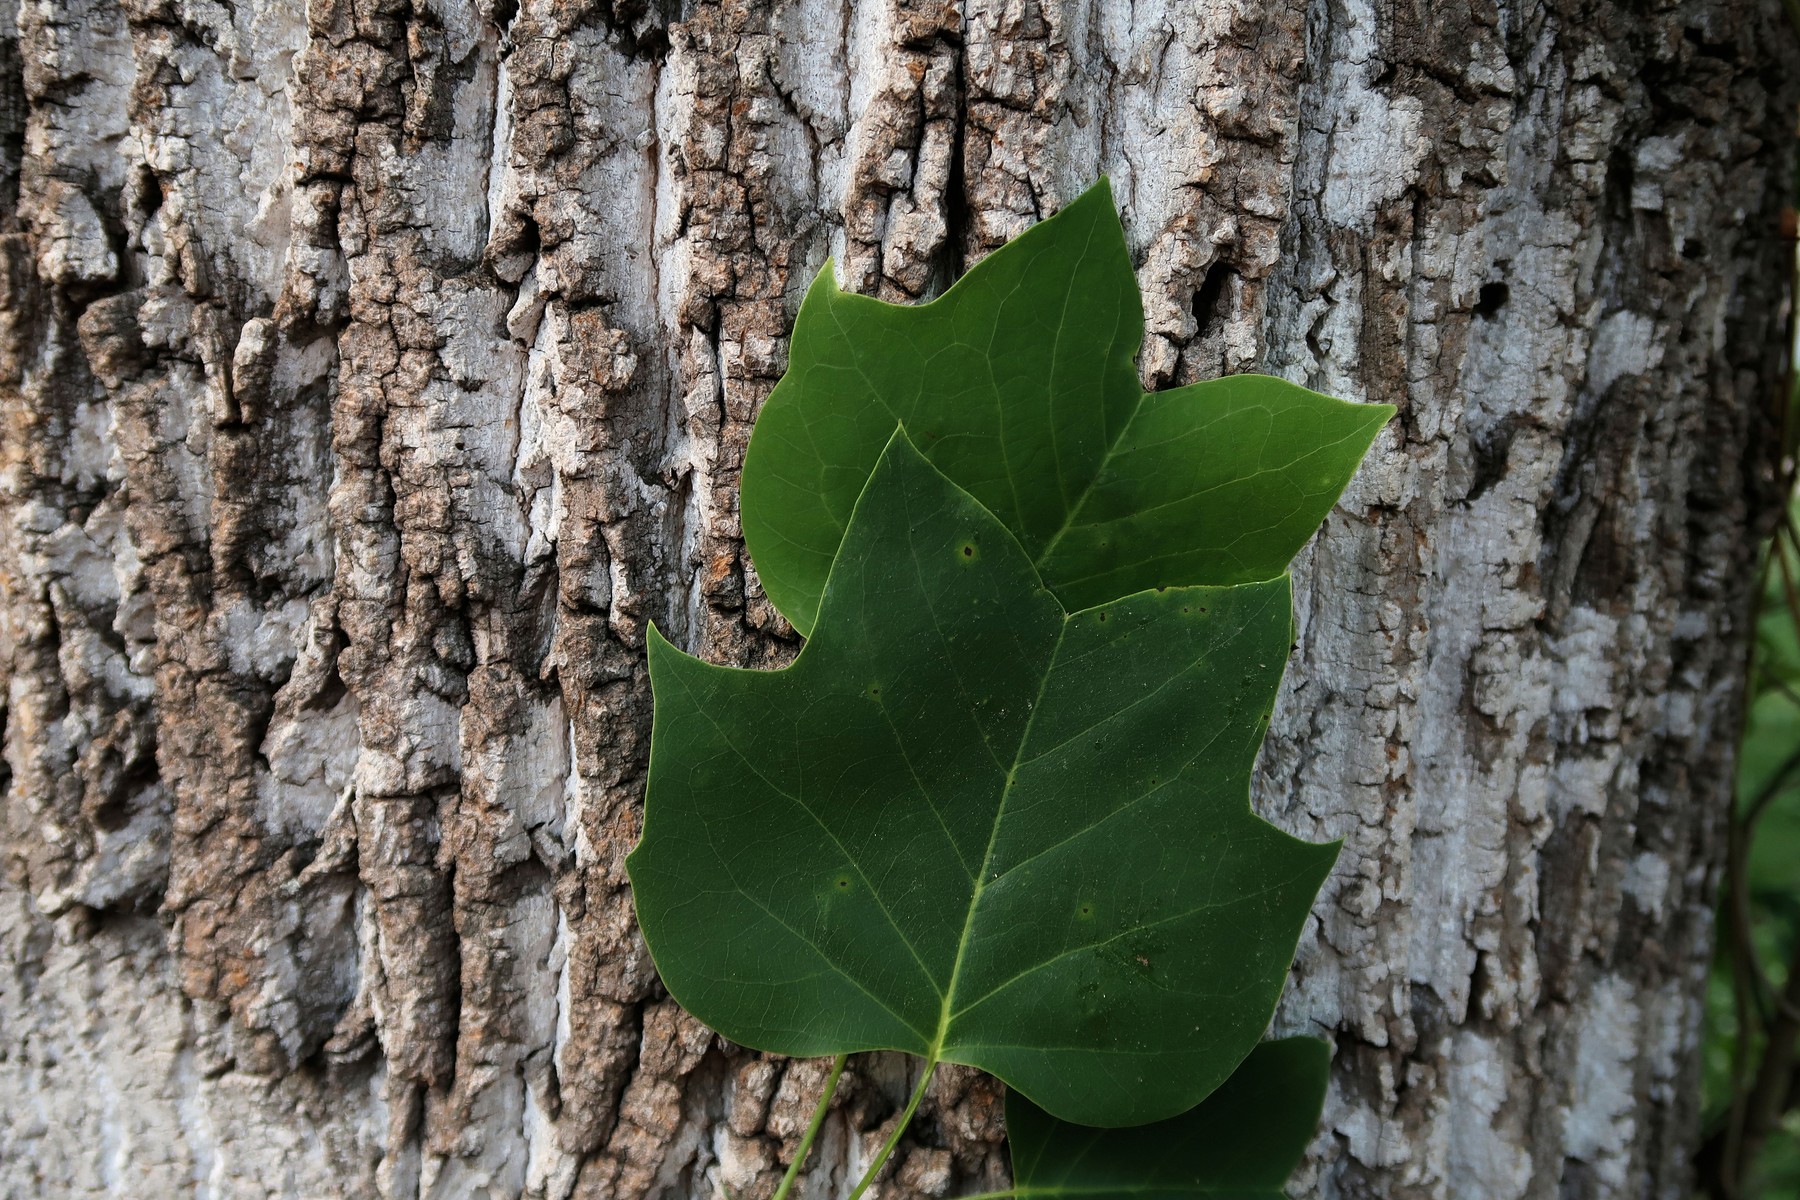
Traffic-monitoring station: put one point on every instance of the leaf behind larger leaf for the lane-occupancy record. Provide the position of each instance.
(1241, 1143)
(1018, 384)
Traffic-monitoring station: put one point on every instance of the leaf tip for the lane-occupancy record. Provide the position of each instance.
(663, 654)
(825, 282)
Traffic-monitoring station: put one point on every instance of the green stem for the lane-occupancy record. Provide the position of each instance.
(906, 1117)
(812, 1129)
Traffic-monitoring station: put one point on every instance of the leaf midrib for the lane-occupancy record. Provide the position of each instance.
(950, 1013)
(947, 1014)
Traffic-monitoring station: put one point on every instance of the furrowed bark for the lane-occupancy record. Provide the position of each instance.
(373, 376)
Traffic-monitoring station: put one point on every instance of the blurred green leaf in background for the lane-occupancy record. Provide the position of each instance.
(1752, 1087)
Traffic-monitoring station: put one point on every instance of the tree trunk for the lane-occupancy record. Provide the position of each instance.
(373, 378)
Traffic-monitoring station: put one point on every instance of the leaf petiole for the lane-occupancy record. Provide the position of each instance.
(812, 1128)
(906, 1117)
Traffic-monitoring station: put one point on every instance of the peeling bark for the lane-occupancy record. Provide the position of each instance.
(372, 377)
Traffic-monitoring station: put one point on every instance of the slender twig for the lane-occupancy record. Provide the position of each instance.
(812, 1128)
(1789, 591)
(1753, 992)
(1753, 811)
(1744, 833)
(1774, 682)
(1743, 954)
(906, 1117)
(1769, 1093)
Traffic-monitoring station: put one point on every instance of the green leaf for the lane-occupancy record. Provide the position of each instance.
(969, 825)
(1242, 1143)
(1018, 384)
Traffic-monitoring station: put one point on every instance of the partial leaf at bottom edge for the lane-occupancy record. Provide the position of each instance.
(1240, 1143)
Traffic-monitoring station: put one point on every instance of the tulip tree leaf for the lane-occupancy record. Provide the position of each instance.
(1018, 384)
(967, 824)
(1241, 1143)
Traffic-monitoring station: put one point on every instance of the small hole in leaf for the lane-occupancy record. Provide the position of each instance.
(1087, 910)
(968, 550)
(843, 883)
(1102, 617)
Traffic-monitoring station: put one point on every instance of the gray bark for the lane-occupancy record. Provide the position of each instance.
(373, 376)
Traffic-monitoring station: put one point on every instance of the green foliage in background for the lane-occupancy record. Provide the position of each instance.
(997, 810)
(1753, 1150)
